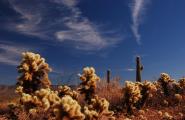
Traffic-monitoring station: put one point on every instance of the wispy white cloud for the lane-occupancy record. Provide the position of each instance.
(138, 9)
(68, 3)
(68, 25)
(129, 69)
(10, 53)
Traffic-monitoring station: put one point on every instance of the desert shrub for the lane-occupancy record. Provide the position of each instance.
(88, 84)
(112, 92)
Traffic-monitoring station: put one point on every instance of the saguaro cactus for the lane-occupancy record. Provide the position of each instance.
(108, 76)
(139, 68)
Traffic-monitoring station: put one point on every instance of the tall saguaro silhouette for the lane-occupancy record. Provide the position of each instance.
(139, 68)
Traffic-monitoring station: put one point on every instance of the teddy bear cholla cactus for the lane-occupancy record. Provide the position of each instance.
(98, 108)
(164, 81)
(68, 109)
(33, 84)
(146, 89)
(34, 72)
(88, 85)
(132, 95)
(65, 90)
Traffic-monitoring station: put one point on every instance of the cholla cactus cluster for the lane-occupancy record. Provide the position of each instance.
(35, 91)
(132, 95)
(88, 85)
(164, 81)
(68, 108)
(137, 93)
(48, 98)
(43, 98)
(146, 89)
(34, 88)
(33, 83)
(97, 108)
(34, 73)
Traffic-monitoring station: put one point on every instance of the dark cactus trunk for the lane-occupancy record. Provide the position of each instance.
(108, 76)
(139, 68)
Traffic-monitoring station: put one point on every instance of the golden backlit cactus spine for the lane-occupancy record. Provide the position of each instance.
(34, 73)
(88, 84)
(139, 68)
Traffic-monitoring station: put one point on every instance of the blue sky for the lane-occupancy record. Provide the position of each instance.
(106, 34)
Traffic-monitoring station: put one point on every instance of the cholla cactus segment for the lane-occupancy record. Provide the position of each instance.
(98, 107)
(34, 72)
(167, 116)
(26, 98)
(182, 82)
(90, 114)
(48, 98)
(149, 86)
(88, 85)
(165, 76)
(19, 90)
(65, 90)
(178, 97)
(68, 108)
